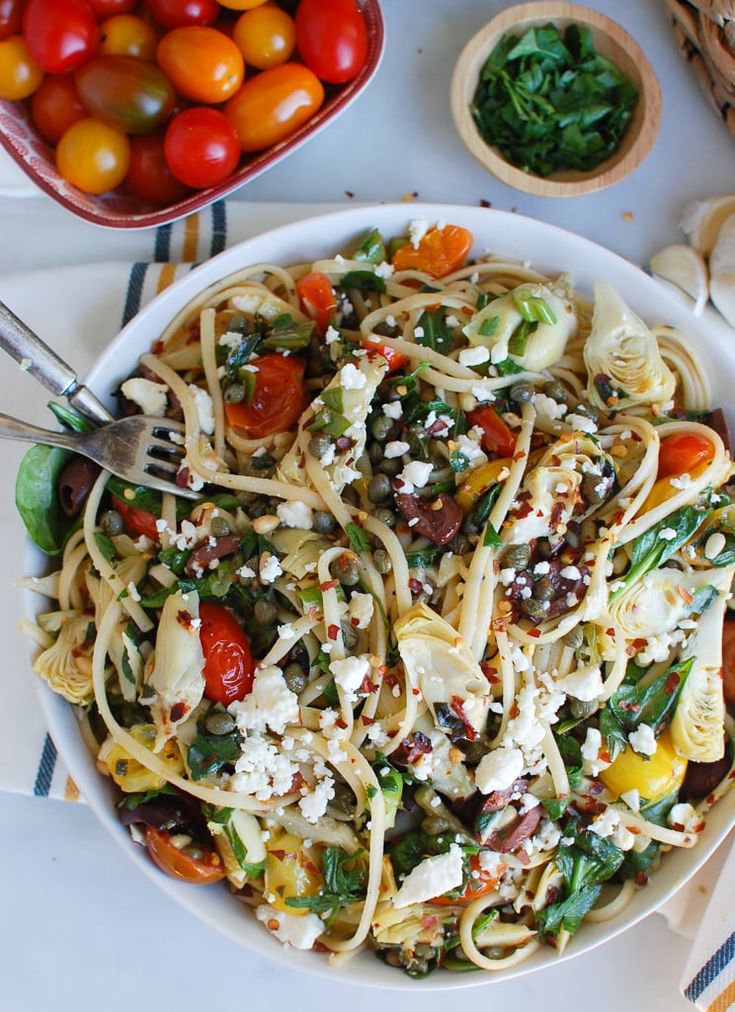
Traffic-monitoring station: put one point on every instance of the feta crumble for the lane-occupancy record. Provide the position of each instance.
(643, 740)
(434, 876)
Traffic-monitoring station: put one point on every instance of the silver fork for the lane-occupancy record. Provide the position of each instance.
(137, 449)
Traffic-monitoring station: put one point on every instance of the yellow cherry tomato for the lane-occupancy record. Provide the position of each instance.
(654, 777)
(130, 775)
(663, 489)
(241, 5)
(291, 870)
(20, 75)
(93, 156)
(479, 481)
(265, 36)
(126, 35)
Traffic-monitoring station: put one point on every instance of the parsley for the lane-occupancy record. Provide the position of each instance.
(491, 538)
(208, 753)
(343, 884)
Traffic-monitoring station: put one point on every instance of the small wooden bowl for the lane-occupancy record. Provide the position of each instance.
(611, 41)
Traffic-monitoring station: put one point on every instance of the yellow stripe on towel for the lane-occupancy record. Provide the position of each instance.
(724, 999)
(71, 791)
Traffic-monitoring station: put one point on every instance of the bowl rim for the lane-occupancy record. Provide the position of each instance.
(107, 367)
(606, 174)
(262, 160)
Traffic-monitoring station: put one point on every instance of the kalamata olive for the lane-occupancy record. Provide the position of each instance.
(219, 722)
(295, 678)
(716, 420)
(112, 523)
(385, 516)
(74, 483)
(517, 556)
(543, 589)
(319, 444)
(235, 393)
(382, 561)
(380, 427)
(219, 527)
(510, 838)
(595, 488)
(555, 390)
(258, 507)
(205, 553)
(379, 488)
(522, 392)
(575, 637)
(265, 612)
(324, 523)
(438, 520)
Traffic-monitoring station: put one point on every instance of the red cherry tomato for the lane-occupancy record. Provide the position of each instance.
(109, 8)
(274, 104)
(728, 660)
(201, 147)
(57, 106)
(177, 13)
(61, 34)
(136, 520)
(228, 661)
(149, 177)
(332, 38)
(317, 299)
(484, 883)
(394, 358)
(497, 438)
(180, 865)
(682, 453)
(11, 17)
(277, 402)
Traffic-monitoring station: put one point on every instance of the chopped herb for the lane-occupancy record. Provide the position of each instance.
(436, 334)
(343, 884)
(519, 338)
(372, 248)
(209, 753)
(287, 334)
(532, 308)
(105, 545)
(489, 326)
(358, 538)
(491, 538)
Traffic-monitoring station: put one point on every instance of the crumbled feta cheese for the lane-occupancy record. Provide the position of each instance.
(681, 481)
(570, 573)
(298, 930)
(331, 335)
(528, 801)
(286, 631)
(498, 769)
(350, 673)
(269, 704)
(396, 449)
(133, 591)
(584, 684)
(417, 229)
(377, 736)
(686, 816)
(415, 475)
(270, 568)
(328, 456)
(643, 740)
(482, 394)
(632, 799)
(434, 876)
(360, 610)
(245, 573)
(582, 423)
(498, 352)
(507, 576)
(474, 356)
(606, 823)
(351, 378)
(384, 270)
(491, 862)
(547, 407)
(471, 450)
(295, 514)
(591, 749)
(205, 410)
(667, 534)
(314, 805)
(262, 769)
(541, 568)
(393, 409)
(149, 396)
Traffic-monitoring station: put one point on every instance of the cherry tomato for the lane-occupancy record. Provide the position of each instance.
(277, 402)
(241, 5)
(228, 661)
(128, 94)
(728, 659)
(180, 865)
(11, 17)
(126, 35)
(149, 176)
(483, 883)
(440, 251)
(332, 38)
(682, 453)
(394, 358)
(274, 104)
(317, 299)
(108, 8)
(136, 520)
(57, 106)
(61, 34)
(20, 75)
(204, 65)
(497, 438)
(654, 777)
(178, 13)
(201, 147)
(265, 36)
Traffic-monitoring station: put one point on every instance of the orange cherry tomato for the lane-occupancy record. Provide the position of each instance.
(394, 358)
(126, 35)
(497, 438)
(93, 156)
(682, 453)
(241, 5)
(136, 520)
(180, 865)
(266, 36)
(277, 402)
(149, 176)
(440, 251)
(202, 63)
(20, 75)
(317, 299)
(228, 661)
(273, 105)
(728, 660)
(478, 886)
(56, 106)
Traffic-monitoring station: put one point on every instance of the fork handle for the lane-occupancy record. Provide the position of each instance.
(14, 428)
(46, 366)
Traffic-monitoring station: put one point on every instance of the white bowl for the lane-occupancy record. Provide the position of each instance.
(549, 249)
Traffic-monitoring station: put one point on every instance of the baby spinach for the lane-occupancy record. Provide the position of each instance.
(365, 281)
(208, 753)
(436, 334)
(343, 884)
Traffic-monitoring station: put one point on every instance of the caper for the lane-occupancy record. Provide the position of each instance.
(385, 516)
(544, 589)
(235, 393)
(459, 544)
(588, 411)
(112, 523)
(219, 527)
(324, 523)
(575, 637)
(346, 570)
(349, 636)
(582, 708)
(594, 488)
(544, 549)
(394, 958)
(474, 751)
(382, 561)
(517, 556)
(522, 392)
(380, 427)
(375, 453)
(533, 608)
(572, 536)
(379, 488)
(470, 524)
(555, 390)
(319, 444)
(390, 467)
(265, 612)
(295, 678)
(219, 722)
(258, 508)
(238, 323)
(344, 799)
(435, 824)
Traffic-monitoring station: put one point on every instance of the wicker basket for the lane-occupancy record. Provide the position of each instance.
(705, 36)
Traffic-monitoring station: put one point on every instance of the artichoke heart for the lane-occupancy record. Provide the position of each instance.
(176, 679)
(621, 349)
(699, 722)
(545, 344)
(439, 662)
(656, 604)
(66, 666)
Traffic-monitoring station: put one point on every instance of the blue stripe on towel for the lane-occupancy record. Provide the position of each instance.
(45, 773)
(162, 250)
(219, 227)
(135, 291)
(711, 969)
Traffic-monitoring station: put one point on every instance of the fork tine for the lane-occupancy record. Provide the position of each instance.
(171, 449)
(164, 466)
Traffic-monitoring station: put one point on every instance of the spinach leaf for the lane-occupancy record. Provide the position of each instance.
(423, 557)
(571, 753)
(343, 884)
(365, 281)
(636, 863)
(106, 546)
(208, 753)
(568, 913)
(286, 333)
(37, 499)
(436, 333)
(654, 703)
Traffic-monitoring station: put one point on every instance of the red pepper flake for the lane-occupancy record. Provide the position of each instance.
(641, 879)
(367, 686)
(684, 594)
(520, 455)
(273, 924)
(367, 721)
(178, 711)
(554, 461)
(182, 477)
(457, 706)
(415, 692)
(429, 922)
(329, 585)
(610, 631)
(535, 633)
(279, 855)
(343, 443)
(398, 483)
(157, 348)
(340, 723)
(605, 756)
(523, 510)
(184, 618)
(639, 643)
(333, 632)
(490, 673)
(355, 622)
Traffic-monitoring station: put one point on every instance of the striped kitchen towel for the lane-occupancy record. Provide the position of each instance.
(709, 977)
(76, 285)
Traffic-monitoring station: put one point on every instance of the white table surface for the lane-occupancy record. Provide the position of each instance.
(81, 928)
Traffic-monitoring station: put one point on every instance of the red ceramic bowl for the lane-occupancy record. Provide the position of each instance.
(35, 156)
